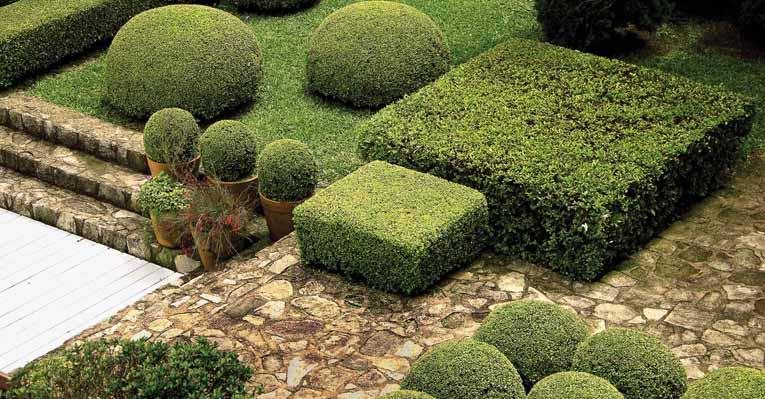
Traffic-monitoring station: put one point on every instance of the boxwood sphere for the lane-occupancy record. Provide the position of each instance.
(229, 151)
(371, 53)
(273, 5)
(637, 364)
(404, 394)
(171, 135)
(729, 383)
(539, 338)
(287, 171)
(193, 57)
(465, 369)
(574, 385)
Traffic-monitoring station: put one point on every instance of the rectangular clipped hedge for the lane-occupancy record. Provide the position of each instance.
(582, 159)
(395, 229)
(36, 34)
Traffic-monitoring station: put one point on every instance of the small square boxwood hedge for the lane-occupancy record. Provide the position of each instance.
(36, 34)
(396, 229)
(581, 158)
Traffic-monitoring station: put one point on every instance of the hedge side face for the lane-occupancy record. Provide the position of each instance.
(581, 158)
(396, 229)
(36, 34)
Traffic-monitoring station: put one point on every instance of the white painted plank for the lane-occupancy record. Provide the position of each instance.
(24, 259)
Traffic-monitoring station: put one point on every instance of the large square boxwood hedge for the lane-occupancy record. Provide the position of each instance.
(581, 158)
(396, 229)
(36, 34)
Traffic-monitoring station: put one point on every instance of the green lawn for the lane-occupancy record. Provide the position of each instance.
(285, 110)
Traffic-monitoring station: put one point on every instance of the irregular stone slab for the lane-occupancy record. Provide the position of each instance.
(686, 316)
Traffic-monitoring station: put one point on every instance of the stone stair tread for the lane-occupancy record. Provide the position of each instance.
(73, 129)
(69, 169)
(82, 215)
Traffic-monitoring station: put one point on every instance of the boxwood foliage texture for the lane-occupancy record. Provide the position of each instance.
(729, 383)
(396, 229)
(574, 385)
(582, 159)
(36, 34)
(272, 5)
(193, 57)
(405, 394)
(229, 151)
(133, 370)
(371, 53)
(287, 171)
(539, 338)
(639, 365)
(465, 369)
(171, 135)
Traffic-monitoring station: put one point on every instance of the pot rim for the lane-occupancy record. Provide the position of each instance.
(231, 183)
(193, 160)
(265, 199)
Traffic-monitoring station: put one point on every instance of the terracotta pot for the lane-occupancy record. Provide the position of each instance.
(211, 260)
(5, 381)
(245, 189)
(167, 236)
(177, 170)
(278, 217)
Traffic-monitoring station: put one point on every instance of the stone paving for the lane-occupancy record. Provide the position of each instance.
(308, 334)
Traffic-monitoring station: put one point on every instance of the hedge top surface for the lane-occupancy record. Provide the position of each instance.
(406, 207)
(574, 385)
(371, 53)
(539, 338)
(465, 369)
(405, 394)
(639, 365)
(29, 14)
(554, 119)
(729, 383)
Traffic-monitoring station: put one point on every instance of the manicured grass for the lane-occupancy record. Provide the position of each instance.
(284, 109)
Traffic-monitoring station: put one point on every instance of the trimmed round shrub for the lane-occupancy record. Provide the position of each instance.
(752, 19)
(599, 26)
(404, 394)
(171, 135)
(273, 5)
(192, 57)
(729, 383)
(465, 369)
(229, 151)
(287, 171)
(638, 365)
(371, 53)
(133, 369)
(540, 338)
(574, 385)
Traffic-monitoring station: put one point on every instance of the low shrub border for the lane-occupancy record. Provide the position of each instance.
(396, 229)
(582, 159)
(36, 34)
(729, 383)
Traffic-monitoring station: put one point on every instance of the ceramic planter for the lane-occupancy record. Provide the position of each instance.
(168, 234)
(178, 170)
(278, 216)
(211, 260)
(245, 189)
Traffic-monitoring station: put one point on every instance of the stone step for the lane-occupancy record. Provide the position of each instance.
(84, 216)
(74, 130)
(69, 169)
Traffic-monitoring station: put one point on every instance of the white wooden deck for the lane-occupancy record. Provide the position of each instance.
(54, 285)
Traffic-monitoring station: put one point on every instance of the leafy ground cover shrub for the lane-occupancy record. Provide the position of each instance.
(162, 194)
(640, 366)
(133, 370)
(599, 26)
(287, 171)
(373, 52)
(396, 229)
(581, 158)
(35, 34)
(192, 57)
(539, 338)
(229, 151)
(170, 136)
(465, 369)
(273, 5)
(729, 383)
(404, 394)
(574, 385)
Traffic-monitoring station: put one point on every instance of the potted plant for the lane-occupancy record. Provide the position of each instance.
(229, 158)
(170, 141)
(287, 173)
(163, 198)
(218, 222)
